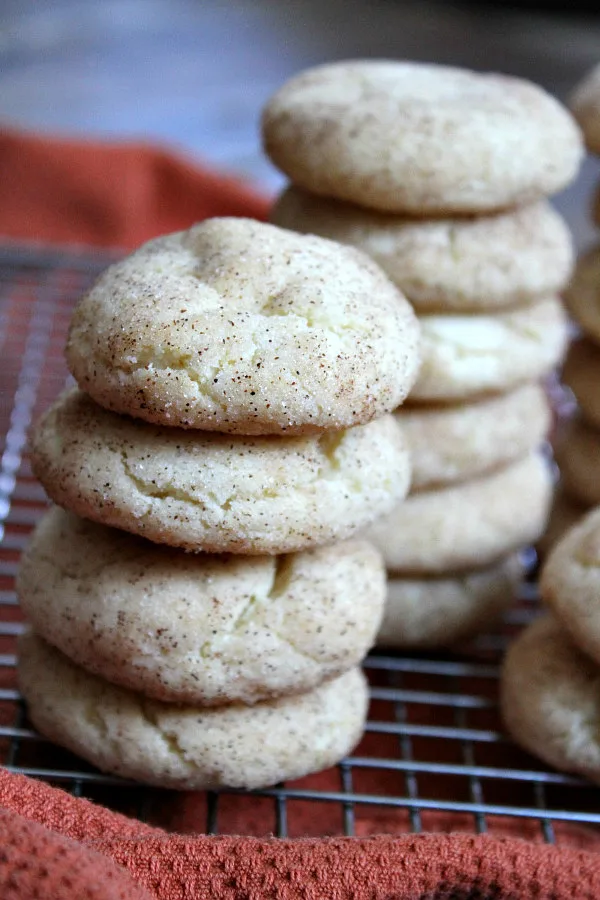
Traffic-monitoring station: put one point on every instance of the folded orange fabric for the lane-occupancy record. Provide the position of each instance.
(74, 859)
(57, 190)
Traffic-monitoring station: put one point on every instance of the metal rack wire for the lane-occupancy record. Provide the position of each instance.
(434, 756)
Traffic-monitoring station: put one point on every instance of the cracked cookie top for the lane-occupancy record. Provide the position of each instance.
(188, 747)
(420, 138)
(198, 628)
(466, 356)
(213, 492)
(462, 264)
(241, 327)
(570, 583)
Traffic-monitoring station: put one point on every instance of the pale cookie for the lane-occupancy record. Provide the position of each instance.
(464, 356)
(577, 453)
(581, 373)
(214, 492)
(583, 294)
(196, 628)
(423, 613)
(443, 265)
(188, 747)
(466, 526)
(455, 443)
(241, 327)
(565, 513)
(570, 583)
(585, 106)
(420, 138)
(550, 699)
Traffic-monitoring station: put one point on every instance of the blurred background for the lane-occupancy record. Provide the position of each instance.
(195, 73)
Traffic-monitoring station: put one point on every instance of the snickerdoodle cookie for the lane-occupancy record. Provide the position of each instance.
(455, 443)
(213, 492)
(197, 628)
(583, 293)
(467, 525)
(585, 105)
(241, 327)
(570, 583)
(550, 698)
(187, 747)
(581, 373)
(565, 512)
(461, 264)
(577, 452)
(463, 356)
(420, 138)
(438, 612)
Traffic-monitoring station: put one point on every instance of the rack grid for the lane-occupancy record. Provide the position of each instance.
(434, 756)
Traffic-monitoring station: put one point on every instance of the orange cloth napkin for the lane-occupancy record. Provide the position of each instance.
(53, 845)
(56, 846)
(109, 195)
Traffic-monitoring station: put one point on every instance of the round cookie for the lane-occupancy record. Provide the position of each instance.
(565, 513)
(187, 747)
(196, 628)
(214, 492)
(445, 265)
(585, 106)
(466, 526)
(455, 443)
(464, 356)
(420, 138)
(577, 453)
(583, 293)
(581, 373)
(570, 583)
(424, 613)
(550, 699)
(240, 327)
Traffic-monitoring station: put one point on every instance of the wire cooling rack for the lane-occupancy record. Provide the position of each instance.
(434, 756)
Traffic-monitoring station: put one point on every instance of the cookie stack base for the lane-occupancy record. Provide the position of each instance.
(183, 747)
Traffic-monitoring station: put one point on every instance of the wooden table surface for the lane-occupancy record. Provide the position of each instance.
(195, 73)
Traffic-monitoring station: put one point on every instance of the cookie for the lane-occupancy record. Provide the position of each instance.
(214, 492)
(196, 628)
(581, 373)
(570, 583)
(585, 106)
(565, 513)
(420, 138)
(577, 453)
(455, 443)
(583, 293)
(469, 525)
(550, 699)
(241, 327)
(423, 613)
(447, 265)
(188, 747)
(464, 356)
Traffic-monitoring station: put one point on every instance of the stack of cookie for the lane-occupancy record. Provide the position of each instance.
(235, 384)
(441, 176)
(551, 674)
(577, 446)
